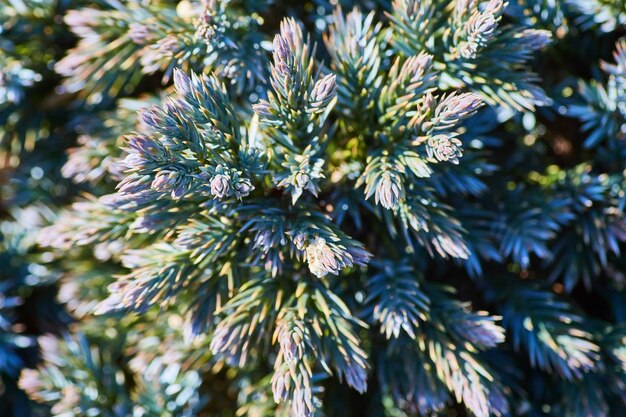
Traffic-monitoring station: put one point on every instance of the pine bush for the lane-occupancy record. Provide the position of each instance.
(258, 208)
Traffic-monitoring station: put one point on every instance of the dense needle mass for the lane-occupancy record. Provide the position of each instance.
(326, 208)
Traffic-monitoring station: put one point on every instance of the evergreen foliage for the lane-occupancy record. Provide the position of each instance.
(327, 208)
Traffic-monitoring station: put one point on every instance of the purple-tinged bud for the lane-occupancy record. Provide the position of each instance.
(182, 82)
(323, 92)
(444, 148)
(220, 185)
(172, 106)
(483, 25)
(165, 181)
(480, 27)
(286, 45)
(151, 117)
(389, 191)
(291, 32)
(145, 147)
(456, 107)
(416, 66)
(283, 56)
(134, 184)
(290, 334)
(134, 161)
(243, 187)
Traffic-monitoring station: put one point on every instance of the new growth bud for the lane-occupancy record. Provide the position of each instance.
(389, 190)
(444, 148)
(243, 187)
(323, 92)
(455, 108)
(321, 258)
(219, 186)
